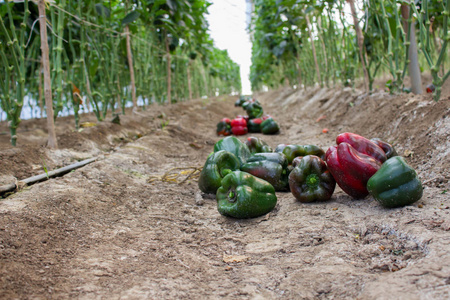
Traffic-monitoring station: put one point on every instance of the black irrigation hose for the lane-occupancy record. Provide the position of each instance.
(42, 177)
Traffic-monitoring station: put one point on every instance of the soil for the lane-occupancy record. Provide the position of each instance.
(117, 228)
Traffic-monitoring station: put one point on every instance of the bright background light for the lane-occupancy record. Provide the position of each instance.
(227, 24)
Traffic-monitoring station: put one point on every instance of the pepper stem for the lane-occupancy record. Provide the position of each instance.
(232, 196)
(312, 180)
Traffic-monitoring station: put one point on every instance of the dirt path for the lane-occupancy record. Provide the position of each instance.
(103, 231)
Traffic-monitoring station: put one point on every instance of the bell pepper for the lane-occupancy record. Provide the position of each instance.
(248, 102)
(269, 126)
(235, 146)
(271, 167)
(240, 101)
(224, 127)
(296, 161)
(217, 165)
(362, 145)
(254, 125)
(254, 110)
(243, 195)
(395, 184)
(246, 118)
(292, 151)
(257, 145)
(311, 181)
(280, 147)
(351, 169)
(388, 149)
(239, 126)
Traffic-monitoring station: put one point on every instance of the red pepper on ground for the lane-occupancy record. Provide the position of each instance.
(351, 169)
(363, 145)
(239, 126)
(224, 127)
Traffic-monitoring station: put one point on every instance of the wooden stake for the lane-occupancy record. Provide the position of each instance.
(130, 65)
(52, 142)
(308, 23)
(169, 71)
(189, 79)
(413, 66)
(360, 38)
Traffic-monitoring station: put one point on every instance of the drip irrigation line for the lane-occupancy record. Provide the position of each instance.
(42, 177)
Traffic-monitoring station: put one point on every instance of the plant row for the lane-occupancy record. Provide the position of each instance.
(335, 42)
(106, 55)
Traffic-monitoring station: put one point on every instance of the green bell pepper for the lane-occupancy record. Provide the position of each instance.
(271, 167)
(254, 125)
(395, 184)
(292, 151)
(387, 148)
(311, 181)
(235, 146)
(257, 145)
(253, 109)
(217, 165)
(243, 195)
(269, 126)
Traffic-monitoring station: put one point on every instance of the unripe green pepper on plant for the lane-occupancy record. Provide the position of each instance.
(395, 184)
(272, 167)
(243, 195)
(216, 167)
(311, 181)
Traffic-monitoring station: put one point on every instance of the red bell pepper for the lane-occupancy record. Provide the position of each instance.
(246, 118)
(351, 169)
(362, 145)
(239, 126)
(224, 127)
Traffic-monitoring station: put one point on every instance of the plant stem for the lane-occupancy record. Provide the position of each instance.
(52, 142)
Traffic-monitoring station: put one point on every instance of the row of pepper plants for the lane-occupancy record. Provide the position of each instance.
(336, 42)
(107, 55)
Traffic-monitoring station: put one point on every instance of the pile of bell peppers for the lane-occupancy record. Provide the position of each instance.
(245, 176)
(255, 121)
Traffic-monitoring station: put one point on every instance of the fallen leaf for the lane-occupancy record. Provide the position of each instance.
(195, 146)
(321, 118)
(408, 153)
(234, 258)
(87, 124)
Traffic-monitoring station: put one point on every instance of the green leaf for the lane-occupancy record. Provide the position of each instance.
(131, 17)
(309, 9)
(102, 10)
